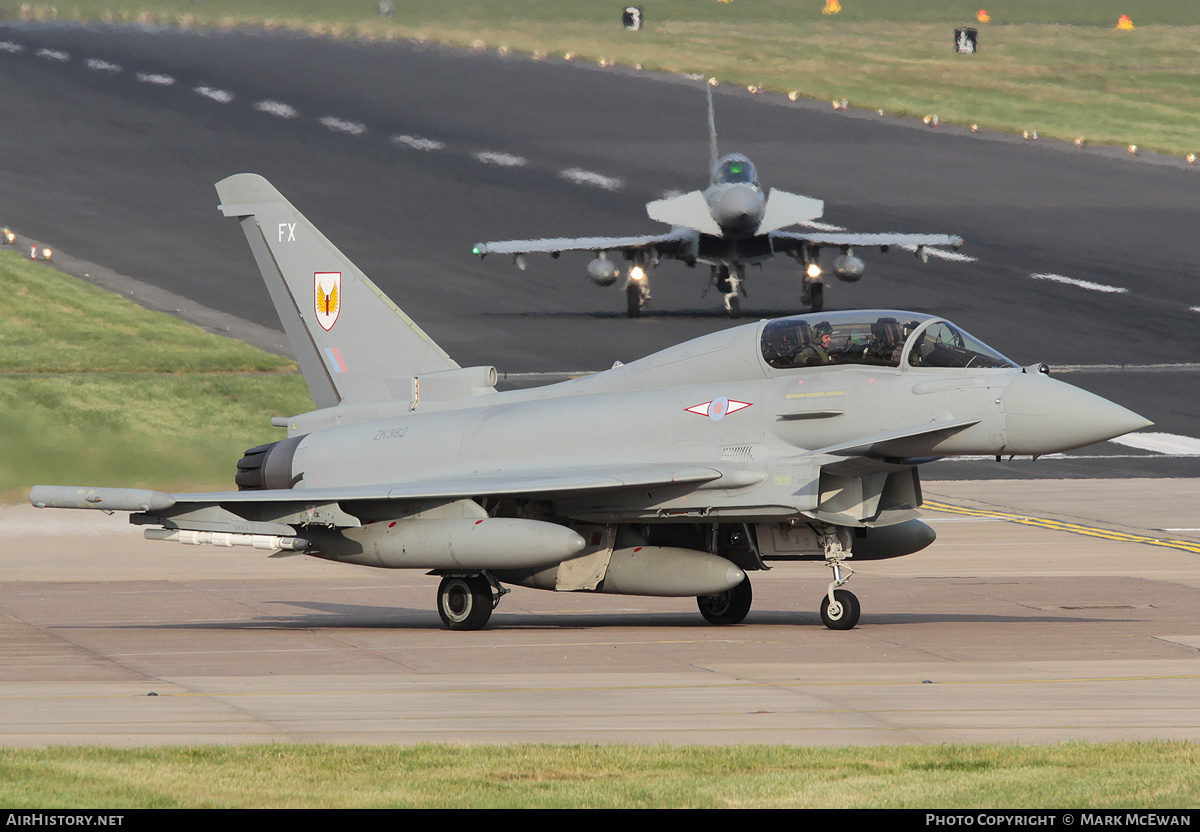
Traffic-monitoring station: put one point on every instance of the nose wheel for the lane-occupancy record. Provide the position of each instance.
(840, 613)
(813, 293)
(839, 608)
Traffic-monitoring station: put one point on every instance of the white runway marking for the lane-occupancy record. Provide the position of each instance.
(155, 78)
(222, 96)
(52, 54)
(9, 46)
(417, 143)
(586, 177)
(1082, 284)
(942, 254)
(824, 226)
(504, 160)
(1163, 443)
(102, 66)
(276, 108)
(340, 125)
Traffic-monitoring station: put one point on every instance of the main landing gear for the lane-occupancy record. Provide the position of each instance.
(637, 290)
(728, 607)
(465, 602)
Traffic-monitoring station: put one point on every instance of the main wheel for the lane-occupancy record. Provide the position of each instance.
(735, 307)
(845, 614)
(633, 300)
(816, 294)
(465, 603)
(728, 607)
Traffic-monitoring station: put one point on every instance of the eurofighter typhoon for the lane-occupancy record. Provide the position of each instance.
(731, 224)
(790, 439)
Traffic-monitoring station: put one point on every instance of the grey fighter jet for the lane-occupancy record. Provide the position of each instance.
(728, 226)
(788, 439)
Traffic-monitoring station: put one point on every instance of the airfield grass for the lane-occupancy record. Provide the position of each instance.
(97, 390)
(1152, 775)
(1057, 67)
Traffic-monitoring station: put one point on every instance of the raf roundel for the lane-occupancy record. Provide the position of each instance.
(718, 408)
(328, 297)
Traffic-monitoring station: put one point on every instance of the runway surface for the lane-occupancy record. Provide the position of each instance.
(1037, 631)
(1005, 630)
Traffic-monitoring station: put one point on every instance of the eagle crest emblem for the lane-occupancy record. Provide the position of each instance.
(328, 298)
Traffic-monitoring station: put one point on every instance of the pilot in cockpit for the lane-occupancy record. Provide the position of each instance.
(737, 171)
(817, 352)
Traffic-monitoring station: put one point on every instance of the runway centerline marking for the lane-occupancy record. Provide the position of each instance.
(417, 143)
(155, 78)
(341, 125)
(1063, 526)
(504, 160)
(276, 108)
(1082, 284)
(587, 177)
(220, 96)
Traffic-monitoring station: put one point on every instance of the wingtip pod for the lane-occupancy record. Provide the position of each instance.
(102, 499)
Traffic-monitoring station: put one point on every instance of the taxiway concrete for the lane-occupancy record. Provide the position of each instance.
(999, 632)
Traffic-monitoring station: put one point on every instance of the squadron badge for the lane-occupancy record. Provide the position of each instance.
(328, 298)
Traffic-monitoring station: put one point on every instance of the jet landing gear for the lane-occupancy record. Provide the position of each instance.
(839, 608)
(465, 602)
(728, 607)
(729, 284)
(637, 291)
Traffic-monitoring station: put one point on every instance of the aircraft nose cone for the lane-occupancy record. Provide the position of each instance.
(1044, 415)
(739, 208)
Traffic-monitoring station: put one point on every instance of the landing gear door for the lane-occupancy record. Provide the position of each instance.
(587, 569)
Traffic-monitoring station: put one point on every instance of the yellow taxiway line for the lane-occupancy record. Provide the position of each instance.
(1059, 525)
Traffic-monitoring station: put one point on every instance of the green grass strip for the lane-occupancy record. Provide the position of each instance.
(1150, 775)
(96, 390)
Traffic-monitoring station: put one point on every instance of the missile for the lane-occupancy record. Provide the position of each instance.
(471, 543)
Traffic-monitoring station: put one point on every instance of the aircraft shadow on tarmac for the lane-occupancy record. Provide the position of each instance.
(325, 615)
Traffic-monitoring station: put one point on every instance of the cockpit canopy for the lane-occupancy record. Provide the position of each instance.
(735, 168)
(881, 338)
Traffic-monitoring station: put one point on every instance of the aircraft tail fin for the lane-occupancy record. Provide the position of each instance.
(353, 344)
